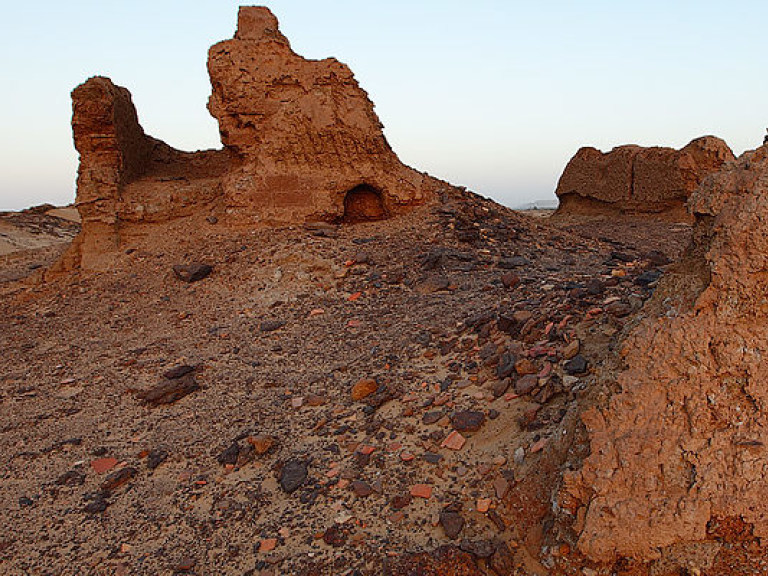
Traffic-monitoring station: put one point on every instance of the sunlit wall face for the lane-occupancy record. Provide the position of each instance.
(495, 96)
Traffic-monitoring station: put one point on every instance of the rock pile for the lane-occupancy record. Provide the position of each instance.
(301, 143)
(633, 179)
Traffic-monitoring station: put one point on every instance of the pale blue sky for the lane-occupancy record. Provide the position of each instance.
(492, 95)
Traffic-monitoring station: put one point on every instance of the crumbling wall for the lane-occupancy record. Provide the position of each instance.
(633, 179)
(683, 442)
(301, 142)
(302, 133)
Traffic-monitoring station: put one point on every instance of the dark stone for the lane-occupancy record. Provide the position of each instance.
(510, 280)
(595, 287)
(185, 565)
(514, 262)
(25, 502)
(178, 371)
(648, 277)
(229, 455)
(468, 420)
(526, 384)
(71, 478)
(506, 365)
(480, 548)
(118, 478)
(432, 458)
(170, 391)
(431, 417)
(96, 505)
(452, 522)
(621, 257)
(361, 489)
(271, 325)
(156, 457)
(192, 272)
(576, 365)
(493, 414)
(401, 501)
(500, 387)
(335, 536)
(293, 475)
(619, 309)
(657, 258)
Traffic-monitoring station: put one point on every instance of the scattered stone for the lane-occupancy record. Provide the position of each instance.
(454, 441)
(506, 365)
(178, 371)
(526, 384)
(102, 465)
(499, 387)
(229, 455)
(432, 458)
(595, 287)
(293, 475)
(421, 491)
(186, 564)
(25, 502)
(452, 522)
(501, 486)
(169, 391)
(156, 457)
(401, 501)
(96, 505)
(271, 325)
(262, 443)
(483, 504)
(267, 545)
(510, 280)
(525, 366)
(480, 548)
(363, 389)
(468, 421)
(571, 350)
(118, 479)
(71, 478)
(576, 365)
(335, 536)
(361, 489)
(431, 417)
(647, 278)
(192, 272)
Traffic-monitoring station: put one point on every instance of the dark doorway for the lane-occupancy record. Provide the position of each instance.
(363, 204)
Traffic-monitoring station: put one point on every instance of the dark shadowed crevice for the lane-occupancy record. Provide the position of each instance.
(363, 203)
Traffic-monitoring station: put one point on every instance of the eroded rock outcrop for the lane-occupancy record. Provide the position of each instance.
(633, 179)
(682, 445)
(303, 134)
(301, 142)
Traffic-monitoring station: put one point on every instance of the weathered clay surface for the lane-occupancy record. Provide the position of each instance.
(636, 179)
(682, 444)
(301, 143)
(302, 133)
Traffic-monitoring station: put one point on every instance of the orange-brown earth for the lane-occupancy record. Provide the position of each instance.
(361, 375)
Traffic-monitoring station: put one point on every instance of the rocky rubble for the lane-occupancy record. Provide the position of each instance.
(632, 179)
(378, 420)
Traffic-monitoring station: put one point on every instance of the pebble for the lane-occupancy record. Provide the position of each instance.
(363, 389)
(293, 475)
(526, 384)
(361, 489)
(261, 444)
(118, 479)
(192, 272)
(571, 350)
(500, 486)
(421, 491)
(483, 504)
(454, 441)
(102, 465)
(519, 455)
(468, 421)
(431, 417)
(452, 523)
(271, 325)
(576, 365)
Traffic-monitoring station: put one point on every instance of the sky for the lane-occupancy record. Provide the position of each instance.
(492, 95)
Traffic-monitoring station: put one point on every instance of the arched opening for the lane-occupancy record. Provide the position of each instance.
(363, 203)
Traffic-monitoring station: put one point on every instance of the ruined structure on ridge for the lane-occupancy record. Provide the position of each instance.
(301, 143)
(633, 179)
